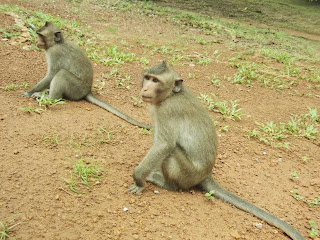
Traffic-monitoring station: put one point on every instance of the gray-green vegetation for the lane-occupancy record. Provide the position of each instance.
(273, 134)
(83, 175)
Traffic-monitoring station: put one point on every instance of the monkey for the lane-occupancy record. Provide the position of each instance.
(184, 146)
(69, 72)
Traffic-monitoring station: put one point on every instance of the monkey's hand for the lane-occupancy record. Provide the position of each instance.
(26, 94)
(32, 95)
(135, 189)
(36, 94)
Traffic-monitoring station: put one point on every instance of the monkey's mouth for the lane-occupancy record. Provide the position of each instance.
(146, 98)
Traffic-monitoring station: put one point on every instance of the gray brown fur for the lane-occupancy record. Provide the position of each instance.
(185, 144)
(69, 72)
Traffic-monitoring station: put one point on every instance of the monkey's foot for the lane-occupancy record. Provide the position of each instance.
(135, 189)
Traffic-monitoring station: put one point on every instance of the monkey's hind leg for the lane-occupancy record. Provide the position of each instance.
(174, 173)
(37, 90)
(66, 84)
(158, 179)
(180, 171)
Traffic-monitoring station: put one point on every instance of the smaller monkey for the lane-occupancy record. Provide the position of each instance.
(184, 147)
(69, 72)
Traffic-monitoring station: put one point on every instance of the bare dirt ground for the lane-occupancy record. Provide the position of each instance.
(32, 189)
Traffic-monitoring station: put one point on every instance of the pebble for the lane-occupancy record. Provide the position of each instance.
(156, 191)
(125, 209)
(280, 159)
(26, 47)
(258, 225)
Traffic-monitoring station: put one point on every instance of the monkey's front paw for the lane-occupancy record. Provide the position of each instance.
(26, 94)
(36, 94)
(135, 189)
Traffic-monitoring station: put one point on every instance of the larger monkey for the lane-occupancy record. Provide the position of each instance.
(185, 144)
(69, 72)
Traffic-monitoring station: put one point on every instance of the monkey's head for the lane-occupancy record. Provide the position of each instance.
(49, 35)
(160, 82)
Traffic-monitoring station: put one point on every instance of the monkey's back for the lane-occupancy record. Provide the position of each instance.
(185, 119)
(68, 56)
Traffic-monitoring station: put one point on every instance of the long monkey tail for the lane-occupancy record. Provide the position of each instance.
(209, 184)
(91, 98)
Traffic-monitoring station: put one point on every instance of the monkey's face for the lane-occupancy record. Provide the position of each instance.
(41, 43)
(48, 35)
(154, 90)
(159, 83)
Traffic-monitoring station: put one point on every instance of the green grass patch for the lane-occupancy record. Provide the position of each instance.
(310, 202)
(84, 174)
(273, 134)
(14, 87)
(253, 37)
(7, 227)
(314, 230)
(228, 110)
(98, 51)
(47, 102)
(97, 135)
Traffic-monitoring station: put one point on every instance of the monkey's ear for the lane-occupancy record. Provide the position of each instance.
(57, 37)
(177, 85)
(47, 24)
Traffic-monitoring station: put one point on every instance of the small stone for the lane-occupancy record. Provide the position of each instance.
(15, 152)
(125, 209)
(25, 47)
(57, 197)
(264, 153)
(156, 191)
(258, 225)
(280, 159)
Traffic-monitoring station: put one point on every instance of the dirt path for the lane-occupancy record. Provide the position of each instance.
(33, 165)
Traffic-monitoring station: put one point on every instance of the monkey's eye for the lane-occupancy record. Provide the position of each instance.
(146, 77)
(155, 80)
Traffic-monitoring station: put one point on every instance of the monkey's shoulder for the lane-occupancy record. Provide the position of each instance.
(66, 49)
(184, 106)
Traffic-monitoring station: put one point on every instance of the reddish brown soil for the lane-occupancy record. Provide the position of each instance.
(32, 170)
